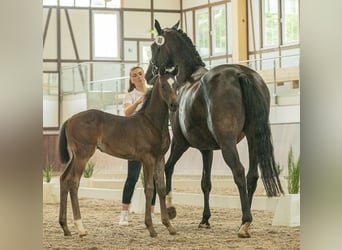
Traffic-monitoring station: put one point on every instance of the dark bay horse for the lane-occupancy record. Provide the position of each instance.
(217, 109)
(143, 136)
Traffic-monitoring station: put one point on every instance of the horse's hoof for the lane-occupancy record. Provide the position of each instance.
(67, 233)
(243, 231)
(172, 230)
(171, 211)
(204, 225)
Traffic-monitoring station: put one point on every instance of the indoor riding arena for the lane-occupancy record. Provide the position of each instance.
(89, 49)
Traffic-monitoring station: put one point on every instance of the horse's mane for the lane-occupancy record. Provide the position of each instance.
(184, 37)
(146, 101)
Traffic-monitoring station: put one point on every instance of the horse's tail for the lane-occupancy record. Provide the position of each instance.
(257, 120)
(63, 145)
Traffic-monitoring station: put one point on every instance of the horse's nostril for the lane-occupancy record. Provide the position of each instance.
(173, 107)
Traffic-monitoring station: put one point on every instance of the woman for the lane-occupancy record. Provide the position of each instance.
(132, 103)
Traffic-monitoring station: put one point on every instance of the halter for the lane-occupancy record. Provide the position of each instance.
(159, 40)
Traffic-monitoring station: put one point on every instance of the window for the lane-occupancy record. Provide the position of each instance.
(106, 35)
(282, 18)
(50, 100)
(290, 21)
(219, 34)
(271, 23)
(202, 32)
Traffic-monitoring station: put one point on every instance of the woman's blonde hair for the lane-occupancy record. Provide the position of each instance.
(131, 85)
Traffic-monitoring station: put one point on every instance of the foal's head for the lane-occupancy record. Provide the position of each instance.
(166, 83)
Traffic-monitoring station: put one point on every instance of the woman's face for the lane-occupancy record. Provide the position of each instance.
(138, 76)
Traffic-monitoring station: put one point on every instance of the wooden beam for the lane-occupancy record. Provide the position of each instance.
(239, 15)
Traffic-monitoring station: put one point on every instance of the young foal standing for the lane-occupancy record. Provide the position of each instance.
(217, 108)
(143, 136)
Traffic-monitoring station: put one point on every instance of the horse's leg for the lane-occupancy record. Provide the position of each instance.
(252, 175)
(231, 157)
(64, 190)
(77, 171)
(148, 168)
(177, 150)
(207, 157)
(160, 183)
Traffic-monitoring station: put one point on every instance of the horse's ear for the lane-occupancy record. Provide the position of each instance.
(157, 26)
(175, 71)
(175, 27)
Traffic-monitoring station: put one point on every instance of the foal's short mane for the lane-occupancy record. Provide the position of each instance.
(146, 101)
(183, 36)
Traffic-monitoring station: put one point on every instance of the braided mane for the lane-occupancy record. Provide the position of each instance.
(189, 44)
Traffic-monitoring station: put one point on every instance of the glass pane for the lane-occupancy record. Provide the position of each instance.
(50, 2)
(145, 52)
(271, 23)
(105, 35)
(66, 2)
(82, 3)
(219, 30)
(50, 100)
(113, 4)
(291, 23)
(97, 3)
(202, 32)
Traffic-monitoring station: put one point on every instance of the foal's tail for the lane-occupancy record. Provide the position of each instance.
(256, 109)
(63, 145)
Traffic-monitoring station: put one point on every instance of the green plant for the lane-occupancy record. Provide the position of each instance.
(279, 168)
(47, 172)
(294, 173)
(89, 169)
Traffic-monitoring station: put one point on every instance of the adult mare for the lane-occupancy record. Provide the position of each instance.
(217, 109)
(143, 136)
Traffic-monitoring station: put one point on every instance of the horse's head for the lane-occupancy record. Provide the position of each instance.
(167, 87)
(161, 52)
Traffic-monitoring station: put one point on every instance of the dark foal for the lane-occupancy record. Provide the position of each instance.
(143, 136)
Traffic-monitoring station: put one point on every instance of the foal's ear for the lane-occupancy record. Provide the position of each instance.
(162, 70)
(157, 26)
(175, 27)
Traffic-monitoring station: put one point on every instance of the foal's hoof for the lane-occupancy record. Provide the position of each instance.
(204, 225)
(81, 235)
(171, 211)
(243, 231)
(153, 234)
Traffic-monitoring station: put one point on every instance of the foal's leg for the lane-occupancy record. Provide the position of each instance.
(160, 185)
(74, 182)
(178, 147)
(64, 190)
(231, 157)
(207, 158)
(148, 167)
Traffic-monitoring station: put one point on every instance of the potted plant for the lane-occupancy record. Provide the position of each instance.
(47, 172)
(89, 169)
(293, 179)
(49, 193)
(87, 174)
(288, 209)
